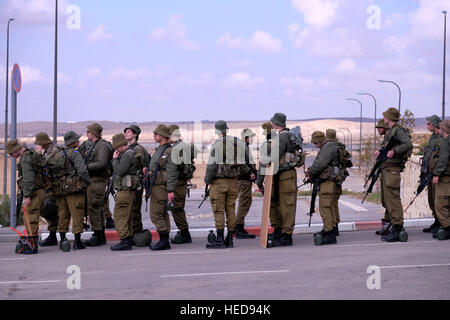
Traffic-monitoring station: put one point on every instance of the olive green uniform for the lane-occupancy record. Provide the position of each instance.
(98, 165)
(442, 170)
(387, 216)
(330, 191)
(126, 183)
(428, 154)
(158, 198)
(284, 187)
(143, 159)
(390, 174)
(245, 188)
(179, 174)
(221, 173)
(52, 222)
(31, 181)
(71, 205)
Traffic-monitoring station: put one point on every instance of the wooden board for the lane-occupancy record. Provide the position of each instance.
(266, 208)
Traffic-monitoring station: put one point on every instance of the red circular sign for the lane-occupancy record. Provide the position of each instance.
(17, 78)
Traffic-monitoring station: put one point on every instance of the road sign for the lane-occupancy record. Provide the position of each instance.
(17, 78)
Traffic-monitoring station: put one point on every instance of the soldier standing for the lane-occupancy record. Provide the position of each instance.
(97, 154)
(180, 170)
(383, 129)
(391, 169)
(441, 180)
(45, 146)
(73, 179)
(31, 180)
(221, 175)
(159, 196)
(265, 157)
(284, 191)
(126, 182)
(432, 126)
(132, 135)
(245, 182)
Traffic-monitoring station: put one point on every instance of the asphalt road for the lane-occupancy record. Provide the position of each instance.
(418, 269)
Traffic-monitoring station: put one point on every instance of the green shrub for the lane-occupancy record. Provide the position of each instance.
(5, 212)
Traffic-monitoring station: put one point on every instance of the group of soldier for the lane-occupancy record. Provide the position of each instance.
(63, 183)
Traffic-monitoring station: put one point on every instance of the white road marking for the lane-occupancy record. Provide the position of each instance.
(222, 273)
(171, 253)
(417, 266)
(11, 259)
(29, 282)
(353, 206)
(382, 244)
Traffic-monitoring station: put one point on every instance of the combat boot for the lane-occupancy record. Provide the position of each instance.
(110, 223)
(394, 234)
(124, 245)
(229, 239)
(385, 227)
(94, 241)
(276, 235)
(163, 243)
(219, 243)
(442, 234)
(78, 244)
(182, 237)
(64, 244)
(241, 233)
(433, 228)
(50, 241)
(284, 241)
(329, 237)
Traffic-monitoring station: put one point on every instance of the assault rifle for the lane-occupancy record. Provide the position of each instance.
(19, 206)
(376, 170)
(316, 185)
(148, 184)
(109, 191)
(205, 196)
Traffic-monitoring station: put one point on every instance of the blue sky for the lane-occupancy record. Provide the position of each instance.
(235, 60)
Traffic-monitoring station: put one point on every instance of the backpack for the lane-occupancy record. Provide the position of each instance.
(295, 136)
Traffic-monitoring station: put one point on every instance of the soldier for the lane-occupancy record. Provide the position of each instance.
(245, 183)
(31, 180)
(180, 169)
(265, 157)
(159, 197)
(221, 175)
(97, 154)
(45, 146)
(342, 163)
(441, 180)
(432, 126)
(126, 182)
(383, 129)
(330, 170)
(391, 169)
(73, 179)
(132, 135)
(284, 191)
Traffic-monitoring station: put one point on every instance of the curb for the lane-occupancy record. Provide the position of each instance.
(112, 235)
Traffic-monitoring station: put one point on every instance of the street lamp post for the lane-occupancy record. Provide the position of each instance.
(343, 134)
(375, 121)
(55, 89)
(360, 129)
(445, 53)
(399, 93)
(5, 158)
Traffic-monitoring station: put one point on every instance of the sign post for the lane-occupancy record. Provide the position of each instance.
(16, 80)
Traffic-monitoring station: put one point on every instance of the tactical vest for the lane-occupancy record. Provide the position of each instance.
(89, 156)
(391, 133)
(337, 169)
(130, 181)
(294, 156)
(161, 178)
(435, 157)
(41, 178)
(186, 170)
(229, 168)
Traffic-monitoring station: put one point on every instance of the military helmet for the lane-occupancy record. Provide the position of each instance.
(221, 126)
(119, 140)
(42, 139)
(71, 137)
(12, 146)
(279, 119)
(133, 128)
(174, 130)
(318, 137)
(392, 114)
(247, 133)
(331, 135)
(96, 129)
(162, 130)
(445, 126)
(434, 120)
(142, 239)
(381, 124)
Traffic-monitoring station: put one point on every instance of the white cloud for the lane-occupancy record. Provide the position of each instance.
(428, 21)
(244, 80)
(317, 13)
(93, 72)
(174, 31)
(100, 34)
(345, 66)
(32, 11)
(31, 75)
(259, 41)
